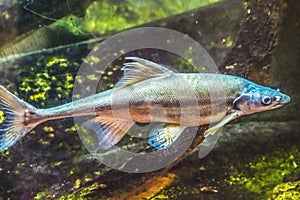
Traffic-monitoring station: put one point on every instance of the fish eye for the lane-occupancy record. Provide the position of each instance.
(266, 100)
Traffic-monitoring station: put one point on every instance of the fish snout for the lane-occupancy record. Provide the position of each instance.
(280, 101)
(285, 99)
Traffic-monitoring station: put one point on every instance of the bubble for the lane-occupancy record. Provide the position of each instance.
(123, 157)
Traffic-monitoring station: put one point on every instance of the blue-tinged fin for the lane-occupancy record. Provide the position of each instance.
(139, 69)
(109, 131)
(12, 128)
(163, 137)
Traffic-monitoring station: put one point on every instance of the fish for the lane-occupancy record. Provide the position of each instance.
(148, 92)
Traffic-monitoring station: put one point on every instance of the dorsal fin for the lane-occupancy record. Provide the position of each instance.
(140, 69)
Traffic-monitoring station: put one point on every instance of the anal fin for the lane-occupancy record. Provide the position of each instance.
(163, 137)
(109, 131)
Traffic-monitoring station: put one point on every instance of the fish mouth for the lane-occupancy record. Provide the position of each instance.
(277, 106)
(285, 99)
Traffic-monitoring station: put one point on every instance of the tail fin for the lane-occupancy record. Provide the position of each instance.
(12, 128)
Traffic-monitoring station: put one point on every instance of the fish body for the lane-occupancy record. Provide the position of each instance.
(148, 92)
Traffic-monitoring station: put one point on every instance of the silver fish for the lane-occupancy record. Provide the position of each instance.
(148, 92)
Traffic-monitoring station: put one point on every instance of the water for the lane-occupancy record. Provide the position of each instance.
(42, 48)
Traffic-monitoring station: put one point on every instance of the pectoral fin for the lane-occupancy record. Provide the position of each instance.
(208, 144)
(212, 135)
(224, 121)
(109, 131)
(163, 137)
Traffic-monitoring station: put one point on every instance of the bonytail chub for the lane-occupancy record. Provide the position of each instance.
(148, 92)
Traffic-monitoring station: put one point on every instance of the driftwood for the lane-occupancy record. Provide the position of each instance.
(252, 51)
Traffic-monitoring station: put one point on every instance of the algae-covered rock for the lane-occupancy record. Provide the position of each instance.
(286, 191)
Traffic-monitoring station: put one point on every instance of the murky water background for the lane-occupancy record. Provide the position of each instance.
(43, 45)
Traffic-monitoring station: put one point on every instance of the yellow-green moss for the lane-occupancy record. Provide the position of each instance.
(41, 195)
(289, 190)
(48, 80)
(264, 173)
(80, 193)
(107, 16)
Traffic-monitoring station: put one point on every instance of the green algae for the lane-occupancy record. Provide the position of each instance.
(106, 17)
(112, 16)
(175, 191)
(81, 193)
(42, 195)
(287, 191)
(262, 174)
(50, 79)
